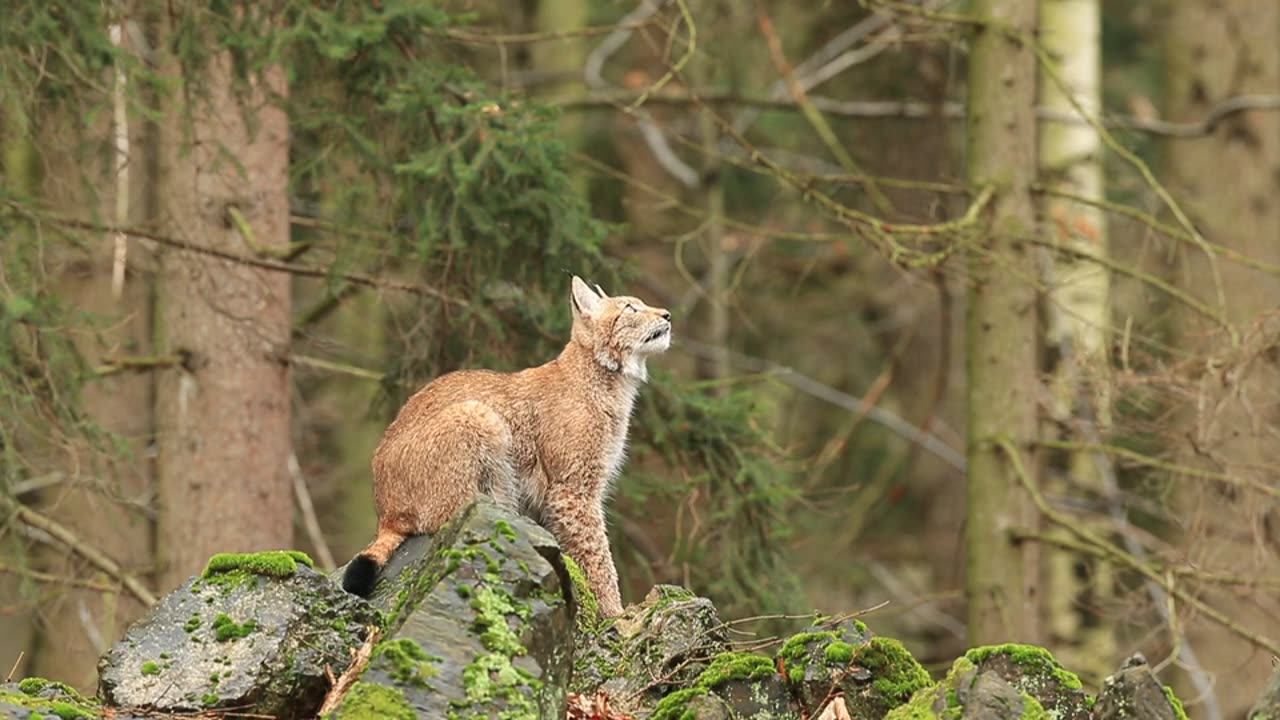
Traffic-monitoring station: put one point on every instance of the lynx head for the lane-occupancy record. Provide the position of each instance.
(621, 332)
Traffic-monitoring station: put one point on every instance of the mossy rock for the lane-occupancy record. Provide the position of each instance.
(970, 694)
(1034, 670)
(1133, 693)
(658, 645)
(876, 674)
(478, 625)
(734, 686)
(259, 632)
(34, 698)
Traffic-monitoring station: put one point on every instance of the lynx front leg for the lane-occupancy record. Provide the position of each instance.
(578, 525)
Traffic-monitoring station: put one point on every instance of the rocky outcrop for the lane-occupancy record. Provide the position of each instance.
(478, 625)
(264, 631)
(1134, 692)
(489, 619)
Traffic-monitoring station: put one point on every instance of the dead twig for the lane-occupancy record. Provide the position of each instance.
(309, 519)
(359, 661)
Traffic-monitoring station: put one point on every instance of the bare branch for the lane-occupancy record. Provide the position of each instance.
(62, 534)
(298, 269)
(928, 441)
(921, 110)
(309, 519)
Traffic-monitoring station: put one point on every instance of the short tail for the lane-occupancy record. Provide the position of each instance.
(362, 571)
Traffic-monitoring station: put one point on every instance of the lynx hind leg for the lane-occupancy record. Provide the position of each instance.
(472, 449)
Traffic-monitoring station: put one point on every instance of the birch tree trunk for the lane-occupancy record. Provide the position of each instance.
(1077, 315)
(1001, 326)
(1229, 184)
(223, 412)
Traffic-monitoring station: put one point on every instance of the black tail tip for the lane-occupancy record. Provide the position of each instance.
(361, 575)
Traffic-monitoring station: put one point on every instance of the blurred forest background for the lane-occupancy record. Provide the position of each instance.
(977, 302)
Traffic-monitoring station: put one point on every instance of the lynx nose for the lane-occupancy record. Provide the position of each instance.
(665, 315)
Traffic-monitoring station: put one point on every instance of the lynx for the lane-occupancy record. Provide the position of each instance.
(548, 440)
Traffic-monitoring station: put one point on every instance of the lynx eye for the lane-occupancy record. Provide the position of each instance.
(630, 308)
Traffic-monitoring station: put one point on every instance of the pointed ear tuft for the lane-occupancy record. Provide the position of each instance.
(585, 300)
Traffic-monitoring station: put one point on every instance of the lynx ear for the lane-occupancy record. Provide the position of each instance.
(585, 300)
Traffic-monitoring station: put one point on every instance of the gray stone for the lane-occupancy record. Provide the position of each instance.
(875, 674)
(238, 640)
(991, 697)
(478, 624)
(1133, 693)
(765, 698)
(659, 644)
(1034, 670)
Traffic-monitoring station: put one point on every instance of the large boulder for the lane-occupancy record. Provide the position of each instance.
(478, 624)
(262, 631)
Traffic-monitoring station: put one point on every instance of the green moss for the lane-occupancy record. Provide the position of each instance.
(796, 648)
(838, 653)
(408, 662)
(920, 707)
(502, 528)
(734, 666)
(588, 617)
(36, 685)
(192, 624)
(73, 707)
(210, 699)
(150, 668)
(492, 605)
(273, 563)
(493, 677)
(1032, 709)
(367, 701)
(671, 594)
(224, 628)
(1034, 658)
(676, 705)
(1178, 711)
(898, 674)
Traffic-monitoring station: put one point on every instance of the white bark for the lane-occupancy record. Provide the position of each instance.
(1077, 307)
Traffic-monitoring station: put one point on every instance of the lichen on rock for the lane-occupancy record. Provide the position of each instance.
(660, 644)
(477, 622)
(1134, 692)
(262, 640)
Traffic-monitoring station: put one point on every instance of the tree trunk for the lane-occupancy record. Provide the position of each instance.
(102, 495)
(1229, 182)
(223, 411)
(1078, 315)
(1001, 326)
